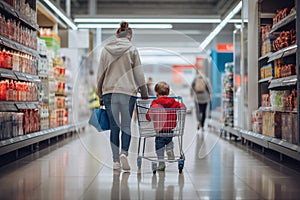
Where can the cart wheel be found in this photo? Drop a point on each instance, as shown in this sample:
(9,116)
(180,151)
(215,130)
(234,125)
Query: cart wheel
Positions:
(139,162)
(180,166)
(154,167)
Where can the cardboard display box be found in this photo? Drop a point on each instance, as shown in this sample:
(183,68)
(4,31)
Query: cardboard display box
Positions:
(272,124)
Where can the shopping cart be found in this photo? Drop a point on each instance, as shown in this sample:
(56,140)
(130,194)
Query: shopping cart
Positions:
(174,118)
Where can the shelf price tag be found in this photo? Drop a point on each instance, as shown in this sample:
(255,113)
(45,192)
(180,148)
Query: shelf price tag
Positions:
(31,106)
(21,76)
(21,106)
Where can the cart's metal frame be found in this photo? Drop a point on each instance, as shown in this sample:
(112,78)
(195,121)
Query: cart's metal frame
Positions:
(146,130)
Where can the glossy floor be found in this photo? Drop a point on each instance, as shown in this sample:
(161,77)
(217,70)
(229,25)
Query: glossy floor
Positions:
(80,167)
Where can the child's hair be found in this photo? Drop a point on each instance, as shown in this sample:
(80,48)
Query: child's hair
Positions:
(162,88)
(124,30)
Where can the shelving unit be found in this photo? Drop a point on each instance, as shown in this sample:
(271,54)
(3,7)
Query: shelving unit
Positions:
(18,75)
(7,8)
(19,109)
(289,118)
(16,46)
(19,142)
(228,95)
(278,58)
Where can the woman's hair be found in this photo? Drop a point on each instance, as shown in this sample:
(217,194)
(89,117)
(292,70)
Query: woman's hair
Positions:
(162,88)
(124,30)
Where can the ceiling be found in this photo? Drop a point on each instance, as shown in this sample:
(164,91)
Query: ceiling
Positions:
(158,8)
(167,9)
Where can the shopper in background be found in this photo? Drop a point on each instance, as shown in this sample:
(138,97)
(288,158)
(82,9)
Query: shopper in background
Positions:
(201,92)
(150,87)
(120,77)
(164,120)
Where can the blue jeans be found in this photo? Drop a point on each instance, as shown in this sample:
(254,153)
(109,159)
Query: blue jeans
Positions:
(162,143)
(119,105)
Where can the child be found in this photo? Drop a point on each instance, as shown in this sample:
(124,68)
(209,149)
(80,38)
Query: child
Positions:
(164,121)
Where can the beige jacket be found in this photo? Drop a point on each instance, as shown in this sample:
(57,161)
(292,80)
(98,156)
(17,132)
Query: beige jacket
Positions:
(120,69)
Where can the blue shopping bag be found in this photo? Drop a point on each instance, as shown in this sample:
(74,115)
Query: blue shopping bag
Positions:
(99,119)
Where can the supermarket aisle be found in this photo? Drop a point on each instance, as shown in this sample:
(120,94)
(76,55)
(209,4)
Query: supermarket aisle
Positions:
(81,169)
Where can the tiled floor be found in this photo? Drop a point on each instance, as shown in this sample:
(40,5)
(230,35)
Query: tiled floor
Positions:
(80,168)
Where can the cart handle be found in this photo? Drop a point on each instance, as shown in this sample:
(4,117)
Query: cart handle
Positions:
(154,97)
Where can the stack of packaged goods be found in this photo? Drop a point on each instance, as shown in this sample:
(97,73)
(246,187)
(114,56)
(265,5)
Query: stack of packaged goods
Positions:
(228,89)
(11,125)
(272,124)
(257,120)
(58,112)
(68,91)
(26,8)
(44,84)
(56,79)
(266,41)
(278,65)
(52,41)
(11,90)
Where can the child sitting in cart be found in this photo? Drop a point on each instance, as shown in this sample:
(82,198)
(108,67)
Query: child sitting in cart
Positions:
(164,120)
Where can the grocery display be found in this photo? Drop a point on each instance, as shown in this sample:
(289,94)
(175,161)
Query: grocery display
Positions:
(34,104)
(44,84)
(57,110)
(55,79)
(277,115)
(18,81)
(228,94)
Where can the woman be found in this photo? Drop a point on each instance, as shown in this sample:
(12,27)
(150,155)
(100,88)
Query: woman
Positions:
(120,77)
(201,92)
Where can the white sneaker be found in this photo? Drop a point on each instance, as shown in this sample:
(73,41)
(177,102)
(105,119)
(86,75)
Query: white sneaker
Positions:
(124,162)
(116,166)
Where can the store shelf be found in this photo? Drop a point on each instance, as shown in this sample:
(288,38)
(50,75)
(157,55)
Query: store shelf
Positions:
(16,143)
(11,106)
(285,148)
(265,80)
(256,138)
(265,56)
(18,15)
(283,22)
(233,131)
(7,73)
(283,82)
(265,108)
(275,144)
(16,46)
(8,106)
(283,53)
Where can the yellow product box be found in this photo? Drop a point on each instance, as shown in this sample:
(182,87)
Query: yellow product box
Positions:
(262,73)
(268,71)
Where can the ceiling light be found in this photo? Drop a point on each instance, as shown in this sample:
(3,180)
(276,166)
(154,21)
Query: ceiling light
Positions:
(145,20)
(216,31)
(60,14)
(137,26)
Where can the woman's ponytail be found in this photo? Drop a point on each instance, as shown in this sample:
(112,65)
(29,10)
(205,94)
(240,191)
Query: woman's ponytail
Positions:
(124,30)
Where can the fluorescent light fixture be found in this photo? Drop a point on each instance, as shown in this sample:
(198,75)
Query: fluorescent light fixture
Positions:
(61,15)
(216,31)
(145,20)
(137,26)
